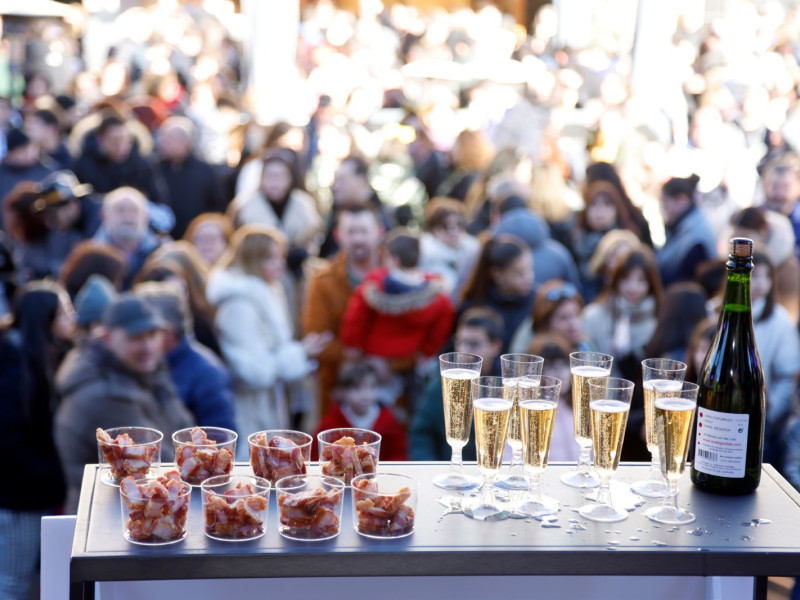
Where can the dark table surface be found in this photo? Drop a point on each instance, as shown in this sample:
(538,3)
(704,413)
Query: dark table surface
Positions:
(754,535)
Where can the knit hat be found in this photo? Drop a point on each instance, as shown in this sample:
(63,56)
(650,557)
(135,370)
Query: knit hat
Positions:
(134,314)
(93,298)
(16,138)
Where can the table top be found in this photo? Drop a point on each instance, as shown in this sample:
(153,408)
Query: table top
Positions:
(753,535)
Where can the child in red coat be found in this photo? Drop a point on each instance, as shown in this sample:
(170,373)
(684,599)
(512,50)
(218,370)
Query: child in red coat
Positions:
(356,405)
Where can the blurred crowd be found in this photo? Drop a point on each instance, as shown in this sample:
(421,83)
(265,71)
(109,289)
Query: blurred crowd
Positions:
(448,181)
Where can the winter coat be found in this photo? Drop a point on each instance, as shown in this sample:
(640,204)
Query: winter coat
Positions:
(98,391)
(514,310)
(778,344)
(551,260)
(327,294)
(386,318)
(255,337)
(203,383)
(33,475)
(447,262)
(300,222)
(689,242)
(191,188)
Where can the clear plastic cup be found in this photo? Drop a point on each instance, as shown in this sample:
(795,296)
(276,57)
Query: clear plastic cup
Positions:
(154,511)
(278,453)
(235,507)
(347,452)
(309,507)
(203,452)
(128,452)
(384,505)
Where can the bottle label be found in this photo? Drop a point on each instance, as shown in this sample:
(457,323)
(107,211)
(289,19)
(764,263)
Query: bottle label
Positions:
(721,443)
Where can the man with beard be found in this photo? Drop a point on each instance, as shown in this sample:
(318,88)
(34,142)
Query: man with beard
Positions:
(359,234)
(125,226)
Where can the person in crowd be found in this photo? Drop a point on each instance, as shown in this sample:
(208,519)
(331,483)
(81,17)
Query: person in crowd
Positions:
(8,277)
(180,262)
(399,312)
(359,233)
(43,324)
(254,329)
(357,404)
(125,226)
(555,351)
(690,239)
(350,187)
(210,234)
(635,220)
(551,198)
(470,157)
(699,345)
(503,280)
(604,211)
(92,258)
(431,166)
(612,246)
(480,332)
(90,304)
(683,307)
(44,129)
(201,379)
(623,318)
(778,343)
(446,248)
(552,259)
(110,160)
(191,185)
(557,310)
(119,379)
(780,181)
(772,234)
(27,230)
(21,163)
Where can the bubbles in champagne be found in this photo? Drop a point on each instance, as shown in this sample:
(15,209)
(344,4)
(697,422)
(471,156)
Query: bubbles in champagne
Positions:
(491,427)
(456,394)
(609,418)
(580,400)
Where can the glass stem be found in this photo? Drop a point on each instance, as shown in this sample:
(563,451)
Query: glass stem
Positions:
(604,492)
(456,464)
(655,467)
(671,499)
(535,487)
(516,463)
(584,464)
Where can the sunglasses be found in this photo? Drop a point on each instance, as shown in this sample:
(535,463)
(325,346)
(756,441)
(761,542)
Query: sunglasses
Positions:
(565,292)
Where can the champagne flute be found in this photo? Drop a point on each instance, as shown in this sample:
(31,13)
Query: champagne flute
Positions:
(458,370)
(491,411)
(513,367)
(664,372)
(538,399)
(674,417)
(610,404)
(584,366)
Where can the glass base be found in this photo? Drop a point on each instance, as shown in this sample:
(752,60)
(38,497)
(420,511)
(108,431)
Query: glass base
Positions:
(513,482)
(543,505)
(622,495)
(486,512)
(605,513)
(581,479)
(669,515)
(650,488)
(456,481)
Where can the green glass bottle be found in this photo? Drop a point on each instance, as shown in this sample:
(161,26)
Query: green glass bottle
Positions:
(731,401)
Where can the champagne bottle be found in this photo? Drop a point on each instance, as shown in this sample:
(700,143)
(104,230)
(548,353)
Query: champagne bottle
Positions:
(731,401)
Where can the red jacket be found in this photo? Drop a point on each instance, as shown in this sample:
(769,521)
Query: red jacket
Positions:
(394,445)
(397,325)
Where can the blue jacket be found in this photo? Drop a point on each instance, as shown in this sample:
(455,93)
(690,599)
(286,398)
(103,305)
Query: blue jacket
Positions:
(203,383)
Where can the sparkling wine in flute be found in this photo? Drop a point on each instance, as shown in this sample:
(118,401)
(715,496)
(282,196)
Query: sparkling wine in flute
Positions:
(649,388)
(580,401)
(609,418)
(514,438)
(674,416)
(538,416)
(457,405)
(491,425)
